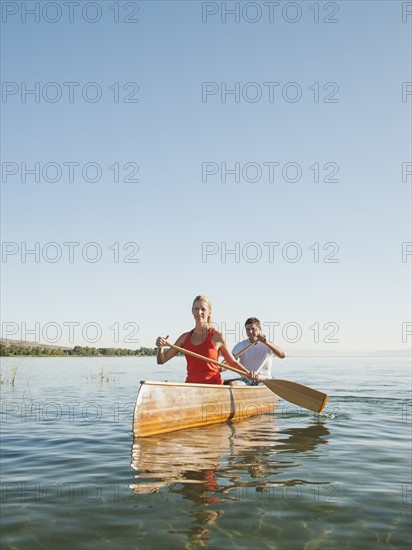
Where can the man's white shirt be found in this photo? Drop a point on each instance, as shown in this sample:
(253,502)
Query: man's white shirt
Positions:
(256,358)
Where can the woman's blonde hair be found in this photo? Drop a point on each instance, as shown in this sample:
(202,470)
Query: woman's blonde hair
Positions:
(203,298)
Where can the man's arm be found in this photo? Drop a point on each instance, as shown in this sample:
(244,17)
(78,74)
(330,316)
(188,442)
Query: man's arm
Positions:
(276,350)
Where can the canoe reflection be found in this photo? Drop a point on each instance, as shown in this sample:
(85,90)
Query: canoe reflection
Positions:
(187,457)
(207,464)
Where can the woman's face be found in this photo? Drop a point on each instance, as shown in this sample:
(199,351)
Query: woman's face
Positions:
(201,311)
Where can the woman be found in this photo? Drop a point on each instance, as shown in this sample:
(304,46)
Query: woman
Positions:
(203,340)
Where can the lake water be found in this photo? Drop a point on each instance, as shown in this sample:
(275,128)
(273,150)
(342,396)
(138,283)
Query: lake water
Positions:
(72,476)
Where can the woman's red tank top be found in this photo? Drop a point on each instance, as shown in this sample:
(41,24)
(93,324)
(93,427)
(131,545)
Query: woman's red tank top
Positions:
(199,371)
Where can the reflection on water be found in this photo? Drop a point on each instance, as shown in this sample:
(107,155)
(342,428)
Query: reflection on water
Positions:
(222,463)
(231,451)
(178,457)
(304,439)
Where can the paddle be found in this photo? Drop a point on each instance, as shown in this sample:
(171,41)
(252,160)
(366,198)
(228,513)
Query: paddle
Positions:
(300,395)
(242,351)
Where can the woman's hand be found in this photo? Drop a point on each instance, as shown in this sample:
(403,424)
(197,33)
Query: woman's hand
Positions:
(253,376)
(161,341)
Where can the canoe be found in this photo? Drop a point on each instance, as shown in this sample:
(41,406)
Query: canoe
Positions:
(163,407)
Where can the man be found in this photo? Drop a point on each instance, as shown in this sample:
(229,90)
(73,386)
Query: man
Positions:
(257,358)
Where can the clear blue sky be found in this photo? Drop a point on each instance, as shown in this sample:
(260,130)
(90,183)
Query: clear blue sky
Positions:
(308,101)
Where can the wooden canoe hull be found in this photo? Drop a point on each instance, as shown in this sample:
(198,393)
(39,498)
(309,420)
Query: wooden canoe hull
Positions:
(167,406)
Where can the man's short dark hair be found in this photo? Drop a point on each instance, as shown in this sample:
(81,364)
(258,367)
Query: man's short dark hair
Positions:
(253,321)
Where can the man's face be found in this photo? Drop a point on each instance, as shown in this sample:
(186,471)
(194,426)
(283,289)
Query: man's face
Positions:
(252,332)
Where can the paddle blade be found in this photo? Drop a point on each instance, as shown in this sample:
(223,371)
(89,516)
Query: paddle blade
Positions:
(298,394)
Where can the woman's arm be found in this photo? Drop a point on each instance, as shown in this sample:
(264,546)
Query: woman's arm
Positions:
(164,356)
(220,344)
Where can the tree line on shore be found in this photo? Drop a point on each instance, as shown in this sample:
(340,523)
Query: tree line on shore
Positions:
(11,350)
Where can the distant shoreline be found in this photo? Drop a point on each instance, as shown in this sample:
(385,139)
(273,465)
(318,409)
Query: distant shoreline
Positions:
(12,348)
(15,348)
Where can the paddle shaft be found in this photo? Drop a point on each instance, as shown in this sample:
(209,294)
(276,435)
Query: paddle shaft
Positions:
(243,350)
(203,358)
(300,395)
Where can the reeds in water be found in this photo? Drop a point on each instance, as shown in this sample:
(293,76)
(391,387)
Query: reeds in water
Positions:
(9,377)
